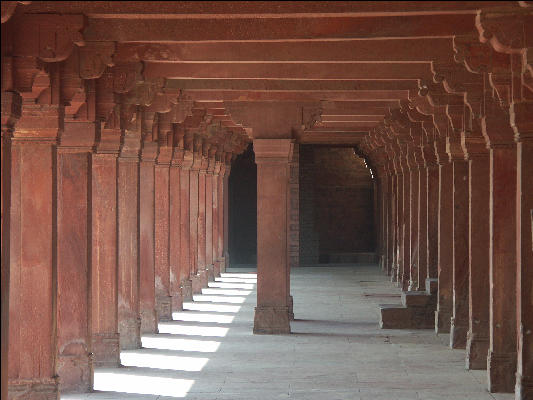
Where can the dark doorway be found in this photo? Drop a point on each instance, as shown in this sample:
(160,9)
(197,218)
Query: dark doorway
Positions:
(336,206)
(243,210)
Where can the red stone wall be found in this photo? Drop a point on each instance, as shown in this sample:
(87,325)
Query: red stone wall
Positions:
(336,200)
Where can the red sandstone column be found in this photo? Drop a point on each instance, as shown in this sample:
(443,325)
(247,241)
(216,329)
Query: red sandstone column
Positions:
(209,215)
(202,240)
(104,300)
(31,241)
(523,127)
(413,212)
(392,221)
(220,228)
(185,256)
(385,210)
(177,295)
(147,307)
(193,217)
(422,219)
(405,228)
(10,113)
(225,220)
(445,250)
(479,193)
(216,212)
(272,157)
(459,319)
(432,221)
(161,231)
(73,217)
(398,223)
(501,360)
(397,206)
(128,236)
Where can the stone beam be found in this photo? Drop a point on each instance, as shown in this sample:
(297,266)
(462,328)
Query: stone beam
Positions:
(179,28)
(144,9)
(297,70)
(245,95)
(395,49)
(288,84)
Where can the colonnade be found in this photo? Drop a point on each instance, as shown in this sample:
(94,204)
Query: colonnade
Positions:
(114,212)
(456,194)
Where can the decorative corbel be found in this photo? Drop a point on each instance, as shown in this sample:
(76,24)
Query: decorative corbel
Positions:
(49,37)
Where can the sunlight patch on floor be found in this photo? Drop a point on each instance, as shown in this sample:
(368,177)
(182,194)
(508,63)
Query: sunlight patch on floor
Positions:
(202,317)
(227,285)
(221,308)
(192,330)
(150,359)
(172,343)
(219,299)
(127,382)
(226,292)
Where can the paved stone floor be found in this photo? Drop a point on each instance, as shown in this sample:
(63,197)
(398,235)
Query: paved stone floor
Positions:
(336,350)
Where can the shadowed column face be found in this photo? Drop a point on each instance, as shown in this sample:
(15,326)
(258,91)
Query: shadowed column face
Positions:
(459,322)
(445,252)
(501,361)
(161,228)
(31,360)
(478,332)
(128,250)
(272,158)
(73,206)
(524,137)
(147,238)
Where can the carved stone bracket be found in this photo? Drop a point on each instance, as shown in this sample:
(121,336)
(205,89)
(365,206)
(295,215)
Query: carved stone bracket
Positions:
(49,37)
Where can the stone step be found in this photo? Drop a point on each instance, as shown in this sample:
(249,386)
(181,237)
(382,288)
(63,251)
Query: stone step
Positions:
(415,299)
(395,316)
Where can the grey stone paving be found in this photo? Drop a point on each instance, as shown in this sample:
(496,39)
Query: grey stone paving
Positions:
(336,351)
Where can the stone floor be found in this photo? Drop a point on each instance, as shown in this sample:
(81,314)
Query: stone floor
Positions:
(336,350)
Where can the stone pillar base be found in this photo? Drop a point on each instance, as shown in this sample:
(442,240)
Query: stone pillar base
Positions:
(476,351)
(148,321)
(457,335)
(271,320)
(223,264)
(524,388)
(130,333)
(177,302)
(501,370)
(74,370)
(432,285)
(163,306)
(394,274)
(217,268)
(211,272)
(291,308)
(199,281)
(105,349)
(42,389)
(416,312)
(442,321)
(186,292)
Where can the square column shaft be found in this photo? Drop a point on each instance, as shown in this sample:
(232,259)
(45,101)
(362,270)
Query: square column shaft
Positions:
(272,157)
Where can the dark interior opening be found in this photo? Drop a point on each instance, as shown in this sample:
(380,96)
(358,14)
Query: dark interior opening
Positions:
(336,206)
(243,210)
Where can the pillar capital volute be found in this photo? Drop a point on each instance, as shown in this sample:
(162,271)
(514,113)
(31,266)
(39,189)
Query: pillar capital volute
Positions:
(496,125)
(508,30)
(49,37)
(273,150)
(521,120)
(454,148)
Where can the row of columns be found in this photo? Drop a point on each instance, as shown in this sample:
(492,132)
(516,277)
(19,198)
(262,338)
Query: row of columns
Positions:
(456,213)
(105,231)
